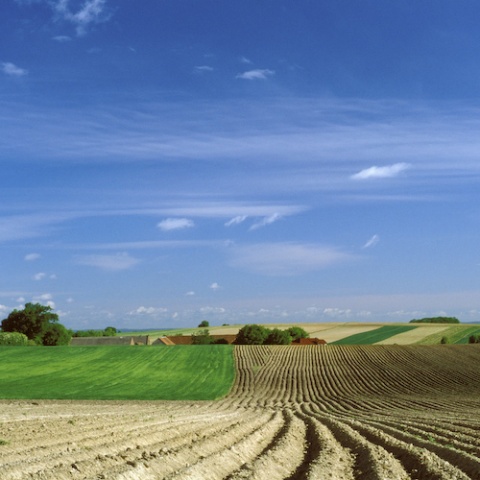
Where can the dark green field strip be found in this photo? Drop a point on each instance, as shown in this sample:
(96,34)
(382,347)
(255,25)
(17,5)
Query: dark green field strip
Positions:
(374,336)
(466,335)
(116,373)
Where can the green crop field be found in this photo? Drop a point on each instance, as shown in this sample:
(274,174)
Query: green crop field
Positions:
(374,336)
(116,373)
(457,334)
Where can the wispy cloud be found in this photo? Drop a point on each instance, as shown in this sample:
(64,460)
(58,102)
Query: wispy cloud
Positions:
(257,74)
(388,171)
(30,257)
(170,224)
(91,11)
(236,220)
(115,262)
(203,69)
(371,242)
(215,286)
(62,38)
(286,258)
(266,221)
(12,70)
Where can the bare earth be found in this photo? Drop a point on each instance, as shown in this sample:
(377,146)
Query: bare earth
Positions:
(341,413)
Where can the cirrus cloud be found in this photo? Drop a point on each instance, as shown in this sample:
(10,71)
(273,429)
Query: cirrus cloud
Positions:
(175,224)
(387,171)
(11,69)
(286,258)
(257,74)
(115,262)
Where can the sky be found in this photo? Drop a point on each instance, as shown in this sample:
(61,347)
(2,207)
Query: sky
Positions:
(257,161)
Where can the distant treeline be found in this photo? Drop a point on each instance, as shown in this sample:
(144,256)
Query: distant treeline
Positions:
(436,320)
(107,332)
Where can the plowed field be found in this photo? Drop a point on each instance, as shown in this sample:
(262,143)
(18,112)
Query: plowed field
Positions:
(336,412)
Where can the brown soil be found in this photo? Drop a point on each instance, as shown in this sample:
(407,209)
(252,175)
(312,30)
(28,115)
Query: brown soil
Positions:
(339,413)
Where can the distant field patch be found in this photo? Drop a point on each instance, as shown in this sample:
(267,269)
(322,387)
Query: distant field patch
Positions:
(415,335)
(457,334)
(116,373)
(374,336)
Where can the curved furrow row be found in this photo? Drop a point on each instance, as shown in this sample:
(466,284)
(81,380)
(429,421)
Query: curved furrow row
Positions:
(414,461)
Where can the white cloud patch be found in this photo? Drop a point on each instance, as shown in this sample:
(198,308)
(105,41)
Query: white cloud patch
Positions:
(266,221)
(257,74)
(286,258)
(115,262)
(62,38)
(148,311)
(371,242)
(215,286)
(203,69)
(191,293)
(30,257)
(388,171)
(236,220)
(89,12)
(12,70)
(39,276)
(170,224)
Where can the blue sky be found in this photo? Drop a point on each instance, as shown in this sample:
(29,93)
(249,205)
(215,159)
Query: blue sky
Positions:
(167,161)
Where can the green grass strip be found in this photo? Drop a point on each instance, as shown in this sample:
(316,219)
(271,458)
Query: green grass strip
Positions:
(457,334)
(374,336)
(203,372)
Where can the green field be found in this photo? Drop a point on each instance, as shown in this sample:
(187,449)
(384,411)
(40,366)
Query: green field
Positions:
(457,334)
(374,336)
(116,373)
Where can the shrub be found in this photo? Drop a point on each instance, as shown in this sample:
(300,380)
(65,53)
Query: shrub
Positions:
(252,335)
(202,338)
(13,339)
(56,334)
(474,339)
(297,332)
(203,324)
(278,337)
(444,341)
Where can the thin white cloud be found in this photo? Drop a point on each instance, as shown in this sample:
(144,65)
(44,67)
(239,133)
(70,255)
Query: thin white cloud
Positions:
(245,60)
(236,220)
(286,258)
(39,276)
(371,242)
(191,293)
(91,11)
(388,171)
(148,310)
(12,70)
(170,224)
(62,38)
(215,286)
(266,221)
(203,69)
(257,74)
(30,257)
(116,262)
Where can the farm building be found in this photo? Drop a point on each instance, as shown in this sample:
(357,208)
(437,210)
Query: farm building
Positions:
(100,341)
(309,341)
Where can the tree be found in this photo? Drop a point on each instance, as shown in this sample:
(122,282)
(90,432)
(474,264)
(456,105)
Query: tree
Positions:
(110,332)
(202,338)
(34,321)
(252,335)
(278,337)
(297,332)
(56,334)
(204,324)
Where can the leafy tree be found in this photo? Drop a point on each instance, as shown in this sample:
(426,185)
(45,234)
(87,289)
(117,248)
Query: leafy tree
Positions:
(32,321)
(35,321)
(278,337)
(13,338)
(202,338)
(204,324)
(474,339)
(297,332)
(56,334)
(445,340)
(252,335)
(110,332)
